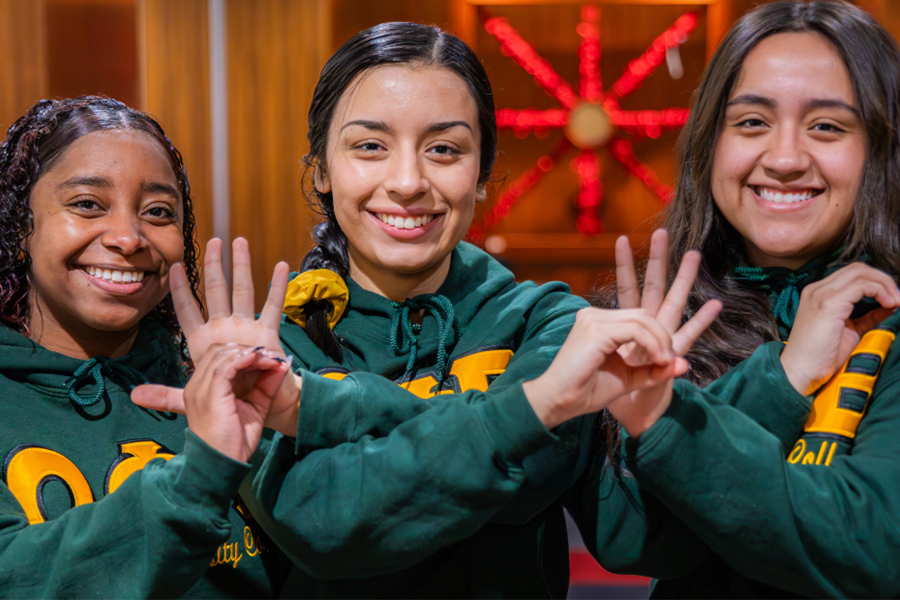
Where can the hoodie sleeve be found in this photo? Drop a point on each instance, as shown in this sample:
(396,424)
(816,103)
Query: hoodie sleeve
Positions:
(627,529)
(378,480)
(813,529)
(152,537)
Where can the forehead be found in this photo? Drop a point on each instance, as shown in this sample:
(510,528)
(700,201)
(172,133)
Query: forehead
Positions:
(115,153)
(795,66)
(407,95)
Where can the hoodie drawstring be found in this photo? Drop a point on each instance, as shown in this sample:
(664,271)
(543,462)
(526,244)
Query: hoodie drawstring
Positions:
(93,368)
(441,309)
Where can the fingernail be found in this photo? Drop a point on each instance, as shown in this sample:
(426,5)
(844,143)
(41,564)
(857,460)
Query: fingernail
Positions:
(289,359)
(258,348)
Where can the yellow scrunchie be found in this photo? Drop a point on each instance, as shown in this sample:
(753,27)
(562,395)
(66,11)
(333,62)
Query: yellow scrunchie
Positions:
(311,286)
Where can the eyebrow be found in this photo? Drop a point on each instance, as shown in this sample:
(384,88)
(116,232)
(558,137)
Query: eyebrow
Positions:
(154,187)
(373,125)
(810,105)
(382,126)
(97,182)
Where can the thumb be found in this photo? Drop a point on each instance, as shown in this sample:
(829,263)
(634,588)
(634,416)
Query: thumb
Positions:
(159,397)
(269,381)
(653,375)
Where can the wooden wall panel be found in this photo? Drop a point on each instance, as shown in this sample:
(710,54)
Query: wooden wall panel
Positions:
(175,57)
(91,48)
(276,49)
(22,73)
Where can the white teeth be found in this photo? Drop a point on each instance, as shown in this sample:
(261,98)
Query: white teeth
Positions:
(405,222)
(115,276)
(770,195)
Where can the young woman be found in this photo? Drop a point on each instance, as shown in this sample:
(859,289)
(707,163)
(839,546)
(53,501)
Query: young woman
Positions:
(422,463)
(100,497)
(800,109)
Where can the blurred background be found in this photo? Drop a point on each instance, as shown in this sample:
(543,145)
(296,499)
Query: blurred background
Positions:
(590,98)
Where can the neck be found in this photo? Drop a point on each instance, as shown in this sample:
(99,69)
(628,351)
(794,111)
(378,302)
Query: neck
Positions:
(81,344)
(397,286)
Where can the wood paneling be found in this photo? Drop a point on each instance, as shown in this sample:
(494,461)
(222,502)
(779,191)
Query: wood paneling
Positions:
(22,74)
(175,57)
(91,48)
(276,49)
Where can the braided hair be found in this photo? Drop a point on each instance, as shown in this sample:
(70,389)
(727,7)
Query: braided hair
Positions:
(33,145)
(385,44)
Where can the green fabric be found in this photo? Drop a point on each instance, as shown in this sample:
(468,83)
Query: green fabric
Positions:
(776,529)
(385,494)
(783,286)
(158,532)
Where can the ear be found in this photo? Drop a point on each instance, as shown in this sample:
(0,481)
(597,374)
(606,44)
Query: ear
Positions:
(321,181)
(481,193)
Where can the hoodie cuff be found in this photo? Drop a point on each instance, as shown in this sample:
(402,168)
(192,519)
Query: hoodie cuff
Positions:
(513,426)
(327,411)
(207,477)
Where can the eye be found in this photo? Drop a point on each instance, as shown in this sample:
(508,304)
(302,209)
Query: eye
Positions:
(369,147)
(443,151)
(827,128)
(160,212)
(751,123)
(85,205)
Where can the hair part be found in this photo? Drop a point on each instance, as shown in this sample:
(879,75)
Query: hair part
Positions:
(385,44)
(33,146)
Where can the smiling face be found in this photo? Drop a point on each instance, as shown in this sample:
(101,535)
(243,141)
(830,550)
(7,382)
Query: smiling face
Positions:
(790,157)
(107,226)
(403,165)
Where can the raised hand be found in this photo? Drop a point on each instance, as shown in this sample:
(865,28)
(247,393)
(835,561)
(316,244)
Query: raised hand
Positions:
(231,319)
(227,398)
(824,335)
(641,409)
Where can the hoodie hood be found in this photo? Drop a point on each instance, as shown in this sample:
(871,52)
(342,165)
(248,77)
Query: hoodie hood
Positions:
(154,354)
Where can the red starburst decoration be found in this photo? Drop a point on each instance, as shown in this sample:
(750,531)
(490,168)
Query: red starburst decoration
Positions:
(590,116)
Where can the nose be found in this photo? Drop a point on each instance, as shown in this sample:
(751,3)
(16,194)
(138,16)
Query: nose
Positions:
(787,158)
(406,178)
(123,233)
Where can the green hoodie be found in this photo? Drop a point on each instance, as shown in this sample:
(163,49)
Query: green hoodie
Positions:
(817,518)
(390,493)
(101,498)
(386,494)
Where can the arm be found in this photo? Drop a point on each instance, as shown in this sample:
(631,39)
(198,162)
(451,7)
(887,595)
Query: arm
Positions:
(810,529)
(627,529)
(153,536)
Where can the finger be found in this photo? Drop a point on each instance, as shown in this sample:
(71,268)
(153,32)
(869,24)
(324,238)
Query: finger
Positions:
(672,308)
(186,307)
(848,278)
(626,279)
(271,312)
(242,279)
(870,320)
(649,335)
(657,267)
(270,380)
(214,277)
(685,337)
(159,397)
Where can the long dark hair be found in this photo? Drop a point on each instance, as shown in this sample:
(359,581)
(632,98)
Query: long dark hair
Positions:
(33,145)
(873,62)
(385,44)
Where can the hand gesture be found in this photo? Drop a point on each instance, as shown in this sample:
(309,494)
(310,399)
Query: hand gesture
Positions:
(227,399)
(588,373)
(824,335)
(641,409)
(231,321)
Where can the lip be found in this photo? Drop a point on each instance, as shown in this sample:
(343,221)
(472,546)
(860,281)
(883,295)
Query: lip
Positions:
(118,289)
(785,207)
(406,234)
